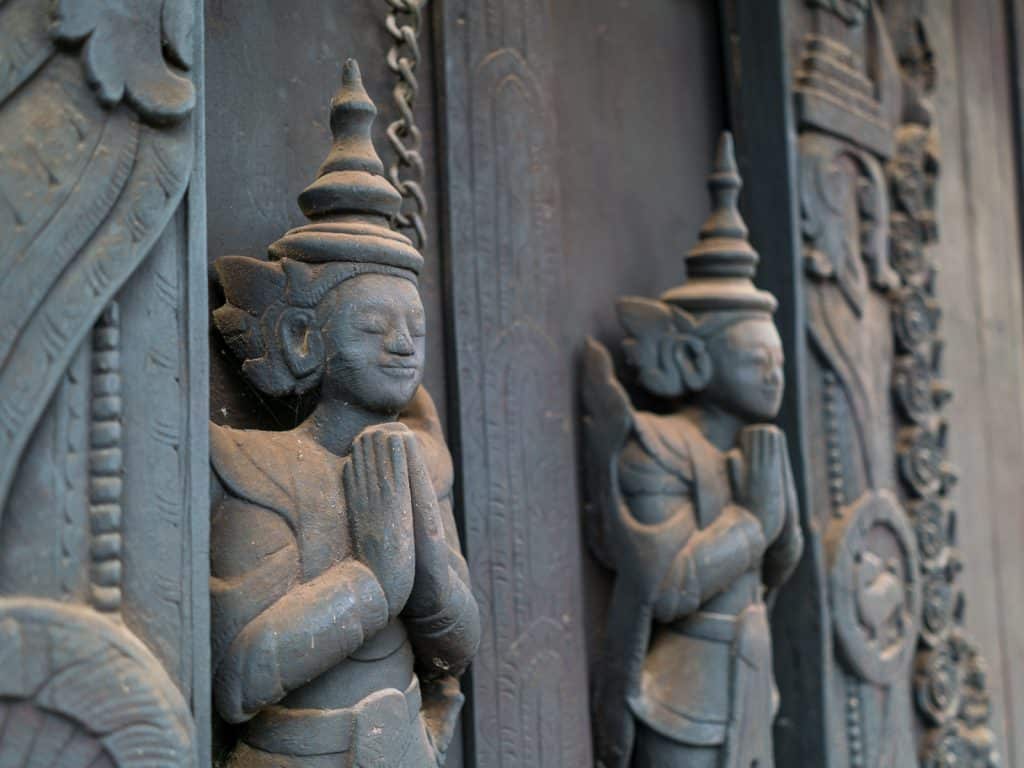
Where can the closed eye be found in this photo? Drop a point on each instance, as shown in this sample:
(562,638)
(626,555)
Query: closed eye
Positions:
(417,326)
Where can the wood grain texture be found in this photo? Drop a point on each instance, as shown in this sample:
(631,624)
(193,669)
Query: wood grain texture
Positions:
(512,373)
(979,284)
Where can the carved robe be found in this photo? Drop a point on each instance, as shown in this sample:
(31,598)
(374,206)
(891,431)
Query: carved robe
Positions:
(700,681)
(303,651)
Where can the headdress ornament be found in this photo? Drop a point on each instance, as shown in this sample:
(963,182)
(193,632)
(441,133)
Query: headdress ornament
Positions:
(351,202)
(720,267)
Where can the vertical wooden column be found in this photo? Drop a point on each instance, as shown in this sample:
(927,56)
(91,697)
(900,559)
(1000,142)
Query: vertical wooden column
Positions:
(511,374)
(762,120)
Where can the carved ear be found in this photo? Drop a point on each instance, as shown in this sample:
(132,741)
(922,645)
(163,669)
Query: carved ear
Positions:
(302,346)
(652,331)
(694,362)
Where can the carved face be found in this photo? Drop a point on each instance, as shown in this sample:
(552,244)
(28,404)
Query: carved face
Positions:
(374,342)
(747,377)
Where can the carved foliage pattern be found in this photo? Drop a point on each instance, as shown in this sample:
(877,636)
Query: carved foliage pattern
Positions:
(78,691)
(949,674)
(868,218)
(91,184)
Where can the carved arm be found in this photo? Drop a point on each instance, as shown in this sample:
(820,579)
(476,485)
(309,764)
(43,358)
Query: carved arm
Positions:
(711,560)
(304,630)
(441,615)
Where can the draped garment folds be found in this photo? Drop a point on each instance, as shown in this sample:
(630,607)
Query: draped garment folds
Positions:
(703,681)
(280,527)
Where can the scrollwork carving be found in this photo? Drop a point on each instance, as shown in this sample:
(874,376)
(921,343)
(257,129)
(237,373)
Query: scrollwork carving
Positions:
(78,691)
(947,676)
(125,44)
(88,190)
(937,680)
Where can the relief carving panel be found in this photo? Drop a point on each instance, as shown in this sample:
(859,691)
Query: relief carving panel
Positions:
(97,142)
(880,483)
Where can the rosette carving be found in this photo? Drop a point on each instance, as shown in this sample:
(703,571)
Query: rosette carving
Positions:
(915,317)
(937,683)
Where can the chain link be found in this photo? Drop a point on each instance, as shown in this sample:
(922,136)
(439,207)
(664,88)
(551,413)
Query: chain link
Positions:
(406,172)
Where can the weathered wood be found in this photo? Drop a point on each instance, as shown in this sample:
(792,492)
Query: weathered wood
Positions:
(694,510)
(979,283)
(761,110)
(342,615)
(511,374)
(103,381)
(861,264)
(632,114)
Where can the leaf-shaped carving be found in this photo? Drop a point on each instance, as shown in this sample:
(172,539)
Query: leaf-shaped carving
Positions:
(128,47)
(86,693)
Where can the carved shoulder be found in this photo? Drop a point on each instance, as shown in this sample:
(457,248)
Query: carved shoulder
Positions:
(243,536)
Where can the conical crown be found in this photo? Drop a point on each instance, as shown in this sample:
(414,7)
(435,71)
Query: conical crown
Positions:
(350,203)
(720,266)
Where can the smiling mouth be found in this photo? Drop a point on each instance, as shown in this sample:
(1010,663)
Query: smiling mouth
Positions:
(400,371)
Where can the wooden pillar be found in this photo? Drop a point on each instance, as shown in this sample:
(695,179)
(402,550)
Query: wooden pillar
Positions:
(511,373)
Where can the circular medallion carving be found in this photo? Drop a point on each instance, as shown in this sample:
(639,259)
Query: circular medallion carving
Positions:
(875,586)
(86,692)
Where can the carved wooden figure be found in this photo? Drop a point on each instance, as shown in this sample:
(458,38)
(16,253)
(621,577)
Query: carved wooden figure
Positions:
(342,613)
(694,509)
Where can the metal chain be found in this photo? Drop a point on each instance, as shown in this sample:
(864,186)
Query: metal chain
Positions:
(406,172)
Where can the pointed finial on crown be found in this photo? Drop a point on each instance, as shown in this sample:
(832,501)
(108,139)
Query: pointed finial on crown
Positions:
(720,266)
(351,201)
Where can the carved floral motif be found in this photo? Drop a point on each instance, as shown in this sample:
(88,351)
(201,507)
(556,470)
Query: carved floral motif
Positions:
(949,674)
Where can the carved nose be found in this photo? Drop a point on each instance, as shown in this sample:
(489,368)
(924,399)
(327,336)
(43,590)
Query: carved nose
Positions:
(399,342)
